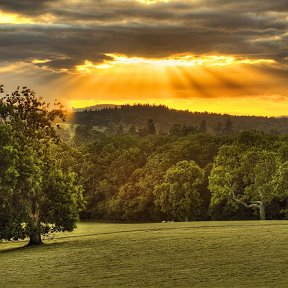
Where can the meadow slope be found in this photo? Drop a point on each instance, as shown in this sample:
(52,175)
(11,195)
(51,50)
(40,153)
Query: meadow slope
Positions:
(193,254)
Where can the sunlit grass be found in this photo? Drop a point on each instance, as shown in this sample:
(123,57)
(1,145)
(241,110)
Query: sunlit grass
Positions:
(202,254)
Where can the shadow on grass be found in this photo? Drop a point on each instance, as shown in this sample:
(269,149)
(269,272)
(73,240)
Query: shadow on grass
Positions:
(70,238)
(48,244)
(25,247)
(14,249)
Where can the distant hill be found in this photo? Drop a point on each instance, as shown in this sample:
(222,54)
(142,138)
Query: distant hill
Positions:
(95,107)
(164,118)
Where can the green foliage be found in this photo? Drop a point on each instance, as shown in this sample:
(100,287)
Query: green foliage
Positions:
(150,127)
(228,127)
(225,178)
(182,130)
(165,118)
(203,126)
(246,174)
(119,172)
(254,138)
(178,195)
(259,169)
(63,200)
(37,196)
(280,185)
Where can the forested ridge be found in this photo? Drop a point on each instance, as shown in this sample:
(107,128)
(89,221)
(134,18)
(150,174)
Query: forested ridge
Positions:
(164,118)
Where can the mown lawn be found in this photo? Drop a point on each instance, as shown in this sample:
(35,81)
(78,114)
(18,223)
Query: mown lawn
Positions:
(202,254)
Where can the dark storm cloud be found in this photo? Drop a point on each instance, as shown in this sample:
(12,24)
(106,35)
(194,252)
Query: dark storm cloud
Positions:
(250,5)
(89,29)
(28,7)
(230,21)
(69,63)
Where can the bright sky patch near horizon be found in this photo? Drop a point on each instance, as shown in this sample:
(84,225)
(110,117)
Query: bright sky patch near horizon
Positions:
(209,55)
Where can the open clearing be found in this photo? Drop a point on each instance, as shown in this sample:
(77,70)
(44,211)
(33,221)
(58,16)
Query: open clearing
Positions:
(193,254)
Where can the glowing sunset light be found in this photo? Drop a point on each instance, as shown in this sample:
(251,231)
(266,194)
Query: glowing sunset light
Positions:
(89,66)
(186,81)
(18,19)
(219,56)
(172,61)
(40,61)
(149,2)
(11,18)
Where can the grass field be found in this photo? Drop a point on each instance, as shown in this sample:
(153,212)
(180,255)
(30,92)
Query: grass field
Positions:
(193,254)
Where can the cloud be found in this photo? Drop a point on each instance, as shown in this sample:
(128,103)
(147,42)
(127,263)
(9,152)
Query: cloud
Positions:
(88,30)
(27,7)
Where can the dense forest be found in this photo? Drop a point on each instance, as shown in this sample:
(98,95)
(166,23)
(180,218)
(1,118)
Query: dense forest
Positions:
(112,117)
(187,173)
(50,174)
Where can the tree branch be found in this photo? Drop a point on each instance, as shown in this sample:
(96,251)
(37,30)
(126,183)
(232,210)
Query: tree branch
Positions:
(254,204)
(239,201)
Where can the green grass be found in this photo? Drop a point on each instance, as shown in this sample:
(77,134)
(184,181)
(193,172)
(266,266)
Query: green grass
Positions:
(195,254)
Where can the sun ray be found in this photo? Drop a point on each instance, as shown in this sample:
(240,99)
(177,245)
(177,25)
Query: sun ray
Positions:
(183,81)
(185,60)
(149,2)
(12,18)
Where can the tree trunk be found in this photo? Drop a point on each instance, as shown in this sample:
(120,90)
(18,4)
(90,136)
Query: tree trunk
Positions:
(35,238)
(35,232)
(186,219)
(262,211)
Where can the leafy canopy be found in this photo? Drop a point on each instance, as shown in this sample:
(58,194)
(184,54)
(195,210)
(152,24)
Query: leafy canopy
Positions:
(36,195)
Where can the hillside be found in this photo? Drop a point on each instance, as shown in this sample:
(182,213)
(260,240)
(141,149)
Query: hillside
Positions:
(164,118)
(95,107)
(203,254)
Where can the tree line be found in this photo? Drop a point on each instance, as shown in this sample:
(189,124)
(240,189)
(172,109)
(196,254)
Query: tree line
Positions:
(186,174)
(164,118)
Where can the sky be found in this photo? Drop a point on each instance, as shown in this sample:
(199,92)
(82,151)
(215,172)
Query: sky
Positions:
(201,55)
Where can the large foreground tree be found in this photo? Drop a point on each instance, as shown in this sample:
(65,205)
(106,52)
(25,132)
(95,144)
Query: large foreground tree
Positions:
(36,195)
